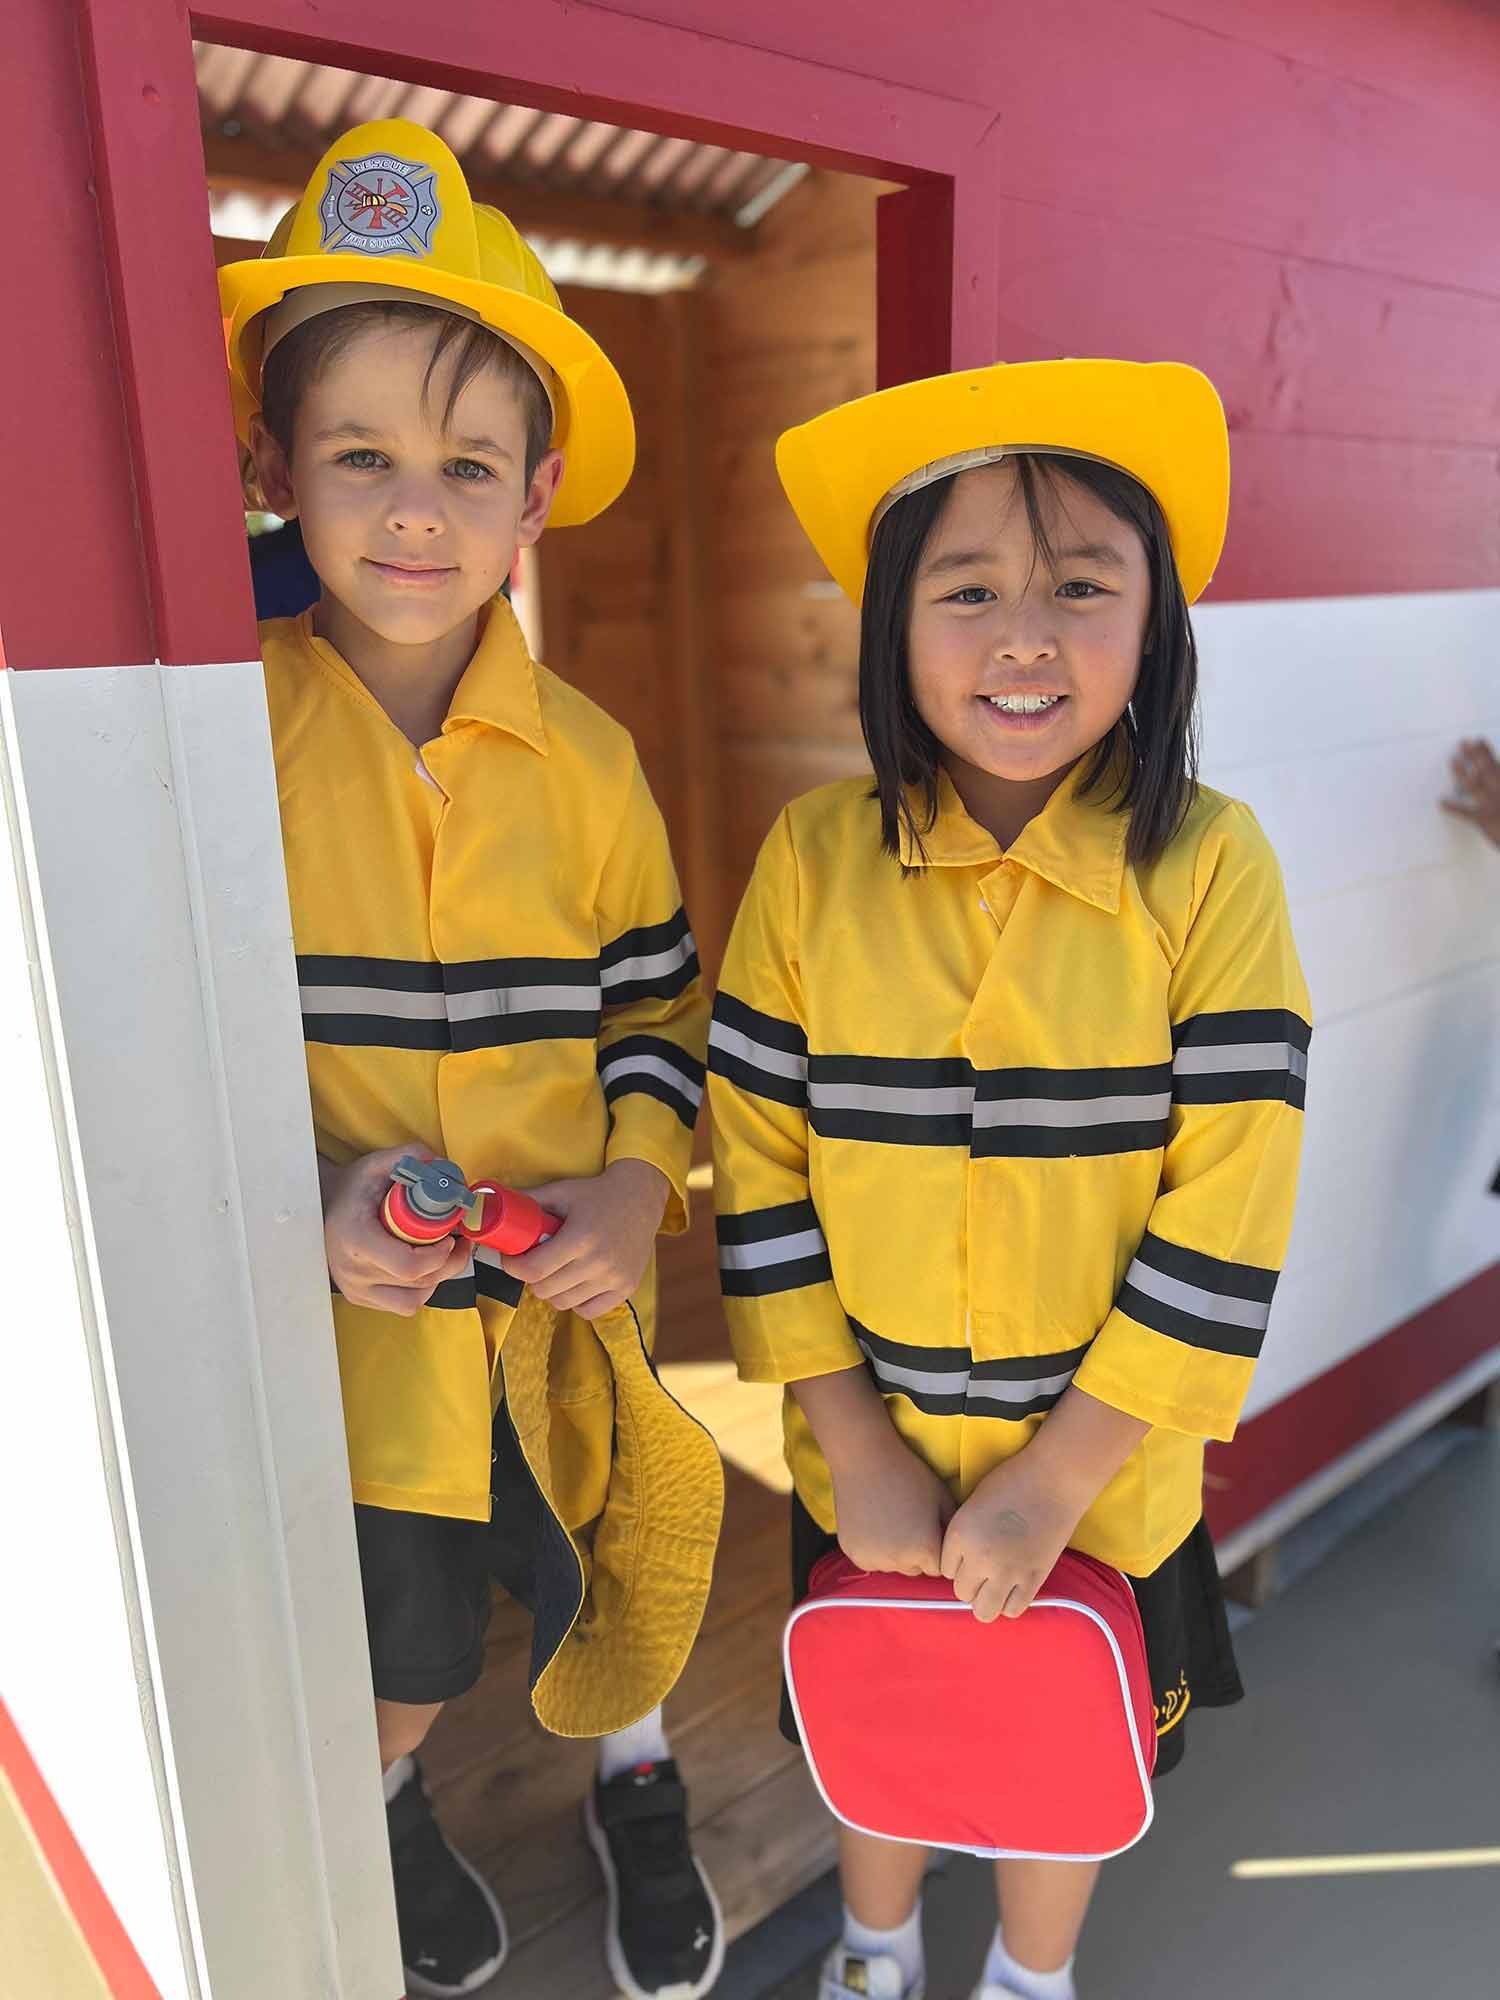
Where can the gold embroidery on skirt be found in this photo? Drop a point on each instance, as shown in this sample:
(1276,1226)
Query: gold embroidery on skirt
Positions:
(1174,1704)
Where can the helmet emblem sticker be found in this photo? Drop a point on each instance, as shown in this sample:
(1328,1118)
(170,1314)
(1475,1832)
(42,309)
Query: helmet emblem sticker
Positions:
(379,204)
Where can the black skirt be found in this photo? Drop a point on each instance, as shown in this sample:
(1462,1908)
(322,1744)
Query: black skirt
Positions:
(1189,1653)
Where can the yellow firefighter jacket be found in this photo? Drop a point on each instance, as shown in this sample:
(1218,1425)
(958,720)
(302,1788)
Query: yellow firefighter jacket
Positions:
(494,960)
(1013,1121)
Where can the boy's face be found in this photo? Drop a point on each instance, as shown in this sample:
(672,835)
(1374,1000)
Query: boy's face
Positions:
(411,522)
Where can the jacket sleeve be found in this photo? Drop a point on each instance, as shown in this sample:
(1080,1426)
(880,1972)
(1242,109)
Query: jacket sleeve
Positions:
(784,1315)
(654,1021)
(1188,1321)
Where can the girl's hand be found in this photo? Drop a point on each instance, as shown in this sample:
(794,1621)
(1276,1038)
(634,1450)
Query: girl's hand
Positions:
(371,1267)
(599,1256)
(891,1510)
(1002,1543)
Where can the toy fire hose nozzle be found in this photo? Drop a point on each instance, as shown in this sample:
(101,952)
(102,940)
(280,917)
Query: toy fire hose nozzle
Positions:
(426,1200)
(430,1199)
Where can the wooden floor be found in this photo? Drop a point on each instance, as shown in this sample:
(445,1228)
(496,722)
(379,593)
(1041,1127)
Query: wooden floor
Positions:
(508,1794)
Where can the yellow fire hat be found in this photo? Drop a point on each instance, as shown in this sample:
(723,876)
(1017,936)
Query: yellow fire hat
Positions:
(1160,421)
(388,213)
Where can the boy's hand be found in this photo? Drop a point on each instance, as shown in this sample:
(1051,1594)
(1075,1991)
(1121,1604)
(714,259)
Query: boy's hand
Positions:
(598,1257)
(891,1510)
(370,1266)
(1002,1543)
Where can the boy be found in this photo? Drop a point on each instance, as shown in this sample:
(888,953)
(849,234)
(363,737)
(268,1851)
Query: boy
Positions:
(495,966)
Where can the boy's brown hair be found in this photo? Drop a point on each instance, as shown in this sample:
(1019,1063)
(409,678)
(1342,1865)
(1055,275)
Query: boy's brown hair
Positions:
(297,361)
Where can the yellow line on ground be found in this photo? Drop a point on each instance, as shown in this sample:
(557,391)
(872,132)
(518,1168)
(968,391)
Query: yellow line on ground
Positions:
(1366,1864)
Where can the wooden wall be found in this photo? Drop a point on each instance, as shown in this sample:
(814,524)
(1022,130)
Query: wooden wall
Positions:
(695,610)
(790,332)
(622,598)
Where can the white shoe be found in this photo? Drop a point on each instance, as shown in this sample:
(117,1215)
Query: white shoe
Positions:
(851,1975)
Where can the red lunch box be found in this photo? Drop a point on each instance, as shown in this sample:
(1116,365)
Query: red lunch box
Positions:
(1029,1737)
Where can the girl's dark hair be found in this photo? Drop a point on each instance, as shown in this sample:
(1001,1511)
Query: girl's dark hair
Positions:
(1159,730)
(296,362)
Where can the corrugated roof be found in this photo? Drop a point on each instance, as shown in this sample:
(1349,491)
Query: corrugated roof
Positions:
(263,116)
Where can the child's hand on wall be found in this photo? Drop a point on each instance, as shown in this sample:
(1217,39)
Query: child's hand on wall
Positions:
(599,1256)
(1476,797)
(370,1266)
(1002,1543)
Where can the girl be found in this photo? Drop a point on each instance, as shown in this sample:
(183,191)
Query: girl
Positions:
(1009,1059)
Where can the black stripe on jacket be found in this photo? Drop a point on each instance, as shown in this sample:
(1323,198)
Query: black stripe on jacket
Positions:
(1200,1300)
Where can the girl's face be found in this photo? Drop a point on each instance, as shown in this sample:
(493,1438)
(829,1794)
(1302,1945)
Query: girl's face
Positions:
(1018,666)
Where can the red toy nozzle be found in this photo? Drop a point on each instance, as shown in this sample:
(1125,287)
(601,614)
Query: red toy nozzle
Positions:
(430,1199)
(511,1223)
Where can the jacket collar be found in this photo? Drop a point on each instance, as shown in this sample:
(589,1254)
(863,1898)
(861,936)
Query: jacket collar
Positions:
(499,683)
(1078,844)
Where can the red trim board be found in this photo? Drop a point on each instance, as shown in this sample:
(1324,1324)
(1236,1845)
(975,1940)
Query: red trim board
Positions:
(106,1937)
(1273,1453)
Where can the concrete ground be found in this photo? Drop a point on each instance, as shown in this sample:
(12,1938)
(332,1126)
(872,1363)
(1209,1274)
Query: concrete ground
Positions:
(1372,1726)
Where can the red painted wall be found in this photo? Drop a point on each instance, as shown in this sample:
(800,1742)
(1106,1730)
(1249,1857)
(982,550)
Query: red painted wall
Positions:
(71,586)
(1301,196)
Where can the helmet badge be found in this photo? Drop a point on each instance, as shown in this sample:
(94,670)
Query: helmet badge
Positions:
(379,204)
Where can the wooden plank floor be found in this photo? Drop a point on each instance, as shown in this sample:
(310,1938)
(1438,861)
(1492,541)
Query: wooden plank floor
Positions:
(508,1794)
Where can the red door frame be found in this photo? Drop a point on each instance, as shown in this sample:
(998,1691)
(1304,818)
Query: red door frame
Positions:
(187,600)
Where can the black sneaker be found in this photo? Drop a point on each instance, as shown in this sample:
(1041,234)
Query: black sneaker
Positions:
(452,1929)
(664,1937)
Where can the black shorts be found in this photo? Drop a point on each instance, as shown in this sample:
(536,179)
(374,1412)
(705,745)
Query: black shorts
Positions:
(427,1581)
(1189,1653)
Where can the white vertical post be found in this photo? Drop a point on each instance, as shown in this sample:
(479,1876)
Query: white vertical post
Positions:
(180,1409)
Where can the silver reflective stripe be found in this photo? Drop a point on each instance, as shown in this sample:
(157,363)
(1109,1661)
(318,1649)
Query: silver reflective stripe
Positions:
(373,1000)
(494,1000)
(1229,1056)
(960,1382)
(776,1062)
(959,1098)
(775,1250)
(650,967)
(1079,1111)
(950,1382)
(982,1391)
(639,1065)
(1192,1298)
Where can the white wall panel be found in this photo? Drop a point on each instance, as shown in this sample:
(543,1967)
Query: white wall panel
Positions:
(71,1638)
(1335,719)
(1288,676)
(155,858)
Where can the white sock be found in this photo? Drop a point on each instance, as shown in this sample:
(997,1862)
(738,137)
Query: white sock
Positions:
(397,1776)
(903,1944)
(644,1742)
(1000,1969)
